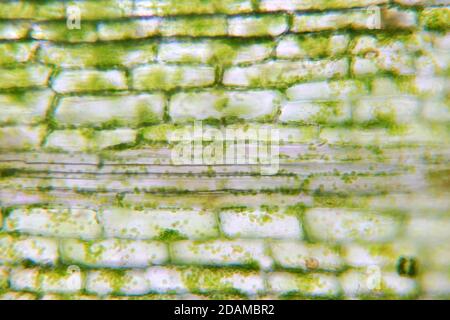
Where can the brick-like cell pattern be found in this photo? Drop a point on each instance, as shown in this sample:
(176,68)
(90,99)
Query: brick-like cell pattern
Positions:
(93,208)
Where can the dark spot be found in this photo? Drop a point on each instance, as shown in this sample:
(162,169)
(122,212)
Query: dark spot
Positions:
(407,266)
